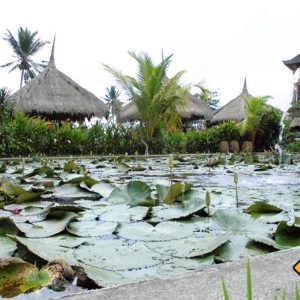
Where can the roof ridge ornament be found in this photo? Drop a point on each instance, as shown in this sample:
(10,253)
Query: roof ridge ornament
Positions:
(52,60)
(245,90)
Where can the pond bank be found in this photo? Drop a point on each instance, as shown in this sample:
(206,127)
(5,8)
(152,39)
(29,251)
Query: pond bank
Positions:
(270,273)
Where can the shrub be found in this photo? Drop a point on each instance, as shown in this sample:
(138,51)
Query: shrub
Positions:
(294,147)
(174,142)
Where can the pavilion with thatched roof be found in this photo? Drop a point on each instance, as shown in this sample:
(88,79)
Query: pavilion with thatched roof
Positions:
(193,109)
(55,96)
(235,109)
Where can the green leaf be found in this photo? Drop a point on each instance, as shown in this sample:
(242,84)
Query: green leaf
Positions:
(18,276)
(46,228)
(102,188)
(268,241)
(134,193)
(8,247)
(89,181)
(193,246)
(262,207)
(179,210)
(7,226)
(169,194)
(249,283)
(125,257)
(67,191)
(287,235)
(91,228)
(225,290)
(123,167)
(43,171)
(165,231)
(122,213)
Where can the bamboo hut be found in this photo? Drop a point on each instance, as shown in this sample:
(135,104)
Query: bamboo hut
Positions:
(235,109)
(55,96)
(192,110)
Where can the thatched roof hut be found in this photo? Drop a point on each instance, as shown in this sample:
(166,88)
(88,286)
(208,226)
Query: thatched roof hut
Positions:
(235,109)
(55,96)
(192,110)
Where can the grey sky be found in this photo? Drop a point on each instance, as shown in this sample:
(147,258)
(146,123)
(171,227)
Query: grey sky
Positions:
(215,41)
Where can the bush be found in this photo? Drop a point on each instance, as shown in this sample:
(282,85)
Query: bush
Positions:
(294,147)
(174,142)
(229,131)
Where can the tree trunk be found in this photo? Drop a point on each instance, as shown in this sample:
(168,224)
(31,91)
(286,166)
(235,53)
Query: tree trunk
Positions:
(22,76)
(146,147)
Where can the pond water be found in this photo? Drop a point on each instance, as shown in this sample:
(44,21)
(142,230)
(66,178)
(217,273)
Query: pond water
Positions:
(119,220)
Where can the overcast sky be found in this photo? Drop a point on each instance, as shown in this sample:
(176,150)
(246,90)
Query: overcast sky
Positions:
(217,42)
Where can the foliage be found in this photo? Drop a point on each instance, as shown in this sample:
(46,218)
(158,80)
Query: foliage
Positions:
(256,107)
(24,47)
(113,102)
(155,96)
(294,147)
(210,97)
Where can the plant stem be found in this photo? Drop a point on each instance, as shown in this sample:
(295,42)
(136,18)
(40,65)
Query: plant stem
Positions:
(236,196)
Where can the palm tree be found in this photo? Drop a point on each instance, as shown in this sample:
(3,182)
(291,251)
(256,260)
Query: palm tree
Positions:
(5,108)
(113,102)
(24,47)
(207,96)
(256,107)
(155,96)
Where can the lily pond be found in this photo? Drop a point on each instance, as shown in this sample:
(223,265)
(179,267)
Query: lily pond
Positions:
(118,220)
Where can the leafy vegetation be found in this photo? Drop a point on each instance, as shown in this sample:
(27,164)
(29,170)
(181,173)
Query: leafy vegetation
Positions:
(24,47)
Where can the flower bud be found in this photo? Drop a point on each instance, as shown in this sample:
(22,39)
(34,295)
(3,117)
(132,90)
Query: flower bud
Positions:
(182,187)
(171,161)
(207,198)
(235,178)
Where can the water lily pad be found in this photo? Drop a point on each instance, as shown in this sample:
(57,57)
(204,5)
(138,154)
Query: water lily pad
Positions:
(124,256)
(102,188)
(263,207)
(165,231)
(42,171)
(192,246)
(180,210)
(7,226)
(8,247)
(18,276)
(134,193)
(168,194)
(268,241)
(122,213)
(91,228)
(89,181)
(47,249)
(123,167)
(67,191)
(46,228)
(287,235)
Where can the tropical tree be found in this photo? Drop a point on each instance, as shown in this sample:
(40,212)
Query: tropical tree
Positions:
(113,102)
(5,108)
(155,96)
(210,97)
(24,47)
(256,108)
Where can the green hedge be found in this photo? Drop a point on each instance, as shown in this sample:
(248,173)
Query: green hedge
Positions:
(33,136)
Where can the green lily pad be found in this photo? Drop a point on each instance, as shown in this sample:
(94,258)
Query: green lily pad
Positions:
(7,226)
(122,213)
(67,191)
(134,193)
(8,247)
(46,228)
(287,235)
(268,241)
(165,231)
(193,246)
(18,194)
(102,188)
(125,257)
(51,248)
(42,171)
(18,276)
(123,167)
(168,194)
(180,210)
(91,228)
(263,207)
(89,181)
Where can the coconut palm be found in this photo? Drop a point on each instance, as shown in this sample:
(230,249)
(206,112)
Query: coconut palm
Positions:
(24,47)
(113,102)
(5,108)
(155,96)
(207,96)
(256,107)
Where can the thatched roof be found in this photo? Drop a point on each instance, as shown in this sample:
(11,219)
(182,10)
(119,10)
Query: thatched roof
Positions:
(235,109)
(295,122)
(293,63)
(193,109)
(54,95)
